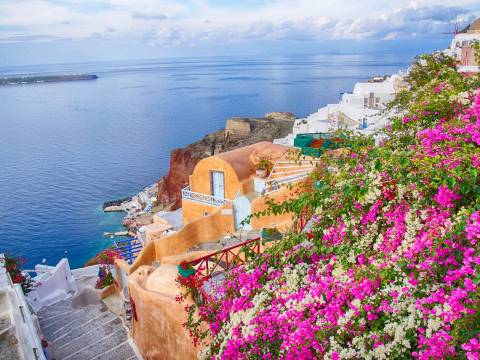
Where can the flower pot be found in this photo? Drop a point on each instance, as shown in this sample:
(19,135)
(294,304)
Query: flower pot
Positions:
(185,272)
(261,173)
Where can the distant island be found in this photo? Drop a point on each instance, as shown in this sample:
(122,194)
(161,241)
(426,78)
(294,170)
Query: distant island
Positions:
(17,80)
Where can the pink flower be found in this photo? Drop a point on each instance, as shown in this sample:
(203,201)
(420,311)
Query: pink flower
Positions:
(476,161)
(472,349)
(445,197)
(439,87)
(472,227)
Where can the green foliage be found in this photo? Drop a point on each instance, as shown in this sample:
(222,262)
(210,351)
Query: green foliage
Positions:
(476,47)
(265,163)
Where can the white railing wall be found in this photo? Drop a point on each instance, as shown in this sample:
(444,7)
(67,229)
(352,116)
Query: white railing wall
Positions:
(24,323)
(87,271)
(52,285)
(286,175)
(187,194)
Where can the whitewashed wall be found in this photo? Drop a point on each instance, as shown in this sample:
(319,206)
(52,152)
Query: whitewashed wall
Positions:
(53,284)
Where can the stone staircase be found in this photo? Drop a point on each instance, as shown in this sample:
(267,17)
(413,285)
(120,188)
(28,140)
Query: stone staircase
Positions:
(85,333)
(287,172)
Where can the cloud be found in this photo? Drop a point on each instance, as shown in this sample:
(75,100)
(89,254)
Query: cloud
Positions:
(149,16)
(408,22)
(391,36)
(197,22)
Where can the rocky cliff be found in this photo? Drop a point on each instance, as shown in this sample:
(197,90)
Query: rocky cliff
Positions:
(239,132)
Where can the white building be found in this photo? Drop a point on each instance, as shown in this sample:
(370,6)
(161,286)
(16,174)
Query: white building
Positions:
(360,109)
(461,48)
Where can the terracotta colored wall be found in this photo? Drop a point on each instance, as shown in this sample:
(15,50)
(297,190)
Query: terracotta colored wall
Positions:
(192,210)
(206,229)
(200,179)
(259,204)
(158,331)
(246,186)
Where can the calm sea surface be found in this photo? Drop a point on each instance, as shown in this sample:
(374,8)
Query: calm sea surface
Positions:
(67,147)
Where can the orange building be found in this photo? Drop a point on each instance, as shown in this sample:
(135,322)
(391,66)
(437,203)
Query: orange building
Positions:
(223,190)
(227,181)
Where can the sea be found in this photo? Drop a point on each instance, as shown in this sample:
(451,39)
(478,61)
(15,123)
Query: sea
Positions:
(67,147)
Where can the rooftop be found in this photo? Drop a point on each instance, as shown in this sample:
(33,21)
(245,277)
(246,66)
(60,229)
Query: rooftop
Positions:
(385,87)
(473,28)
(242,160)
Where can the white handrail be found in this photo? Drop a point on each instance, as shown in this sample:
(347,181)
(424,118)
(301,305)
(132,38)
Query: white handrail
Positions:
(293,171)
(269,176)
(273,183)
(29,341)
(204,198)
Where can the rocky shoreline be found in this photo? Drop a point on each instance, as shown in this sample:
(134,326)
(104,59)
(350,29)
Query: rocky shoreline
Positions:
(108,205)
(19,80)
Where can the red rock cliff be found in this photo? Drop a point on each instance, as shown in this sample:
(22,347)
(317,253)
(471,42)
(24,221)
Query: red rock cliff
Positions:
(182,163)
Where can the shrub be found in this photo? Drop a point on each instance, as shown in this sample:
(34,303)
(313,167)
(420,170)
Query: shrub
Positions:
(13,266)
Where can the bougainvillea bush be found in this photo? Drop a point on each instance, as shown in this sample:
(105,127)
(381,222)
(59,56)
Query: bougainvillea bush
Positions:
(390,267)
(106,260)
(13,265)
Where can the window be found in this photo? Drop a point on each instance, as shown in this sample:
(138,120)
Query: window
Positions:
(217,184)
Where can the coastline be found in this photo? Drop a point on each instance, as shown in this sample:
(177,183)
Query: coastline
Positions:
(26,80)
(79,227)
(239,132)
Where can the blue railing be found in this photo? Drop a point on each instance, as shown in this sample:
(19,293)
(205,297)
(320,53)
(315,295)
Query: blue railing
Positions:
(128,248)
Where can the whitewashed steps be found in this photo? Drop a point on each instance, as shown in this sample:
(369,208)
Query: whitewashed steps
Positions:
(85,333)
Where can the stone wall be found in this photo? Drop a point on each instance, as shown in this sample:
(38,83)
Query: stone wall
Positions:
(238,128)
(259,204)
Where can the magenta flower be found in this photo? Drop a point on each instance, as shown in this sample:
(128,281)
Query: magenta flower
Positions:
(445,197)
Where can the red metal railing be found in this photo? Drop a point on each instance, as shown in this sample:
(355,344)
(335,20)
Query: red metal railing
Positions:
(225,259)
(222,261)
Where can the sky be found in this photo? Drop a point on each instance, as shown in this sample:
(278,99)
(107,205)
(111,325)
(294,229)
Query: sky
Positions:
(56,31)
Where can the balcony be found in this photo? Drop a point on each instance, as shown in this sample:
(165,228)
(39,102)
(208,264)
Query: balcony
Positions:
(187,194)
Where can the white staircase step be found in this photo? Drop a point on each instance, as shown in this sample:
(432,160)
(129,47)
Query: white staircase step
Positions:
(123,351)
(84,340)
(99,347)
(90,332)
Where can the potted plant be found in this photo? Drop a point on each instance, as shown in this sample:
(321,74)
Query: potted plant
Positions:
(13,266)
(185,269)
(263,167)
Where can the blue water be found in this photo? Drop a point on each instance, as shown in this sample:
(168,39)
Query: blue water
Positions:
(67,147)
